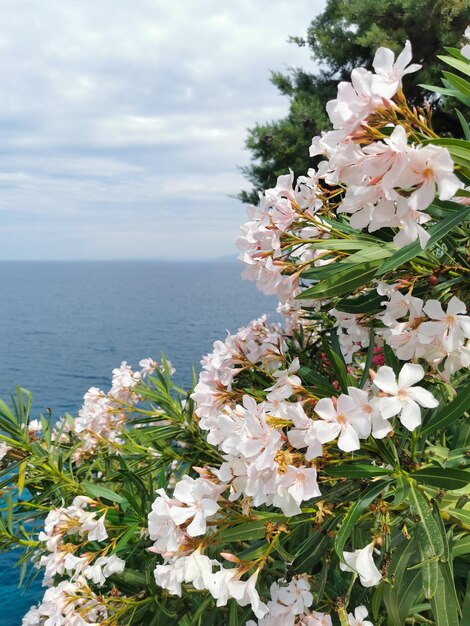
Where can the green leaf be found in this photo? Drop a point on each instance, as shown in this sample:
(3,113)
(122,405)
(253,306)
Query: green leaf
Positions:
(98,491)
(349,275)
(233,614)
(312,549)
(466,605)
(21,477)
(343,281)
(244,532)
(427,531)
(343,244)
(461,545)
(356,470)
(463,123)
(437,232)
(369,302)
(430,578)
(450,413)
(448,478)
(443,604)
(318,382)
(337,364)
(457,64)
(462,514)
(405,585)
(356,510)
(462,85)
(402,490)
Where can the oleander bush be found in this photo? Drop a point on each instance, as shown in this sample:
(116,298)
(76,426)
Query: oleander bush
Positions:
(317,473)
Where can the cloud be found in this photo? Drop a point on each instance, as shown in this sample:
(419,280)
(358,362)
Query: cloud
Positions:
(122,124)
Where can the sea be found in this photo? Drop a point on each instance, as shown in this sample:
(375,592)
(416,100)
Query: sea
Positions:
(65,325)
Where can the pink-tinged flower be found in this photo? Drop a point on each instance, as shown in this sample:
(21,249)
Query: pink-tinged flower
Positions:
(293,487)
(409,222)
(286,381)
(304,433)
(245,593)
(359,617)
(316,618)
(344,420)
(368,407)
(362,563)
(389,72)
(200,499)
(430,166)
(453,326)
(148,366)
(400,305)
(404,399)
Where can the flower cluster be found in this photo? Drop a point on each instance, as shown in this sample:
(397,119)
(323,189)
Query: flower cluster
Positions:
(67,604)
(102,418)
(61,556)
(417,329)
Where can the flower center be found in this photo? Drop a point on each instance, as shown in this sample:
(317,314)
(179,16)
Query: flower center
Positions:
(403,394)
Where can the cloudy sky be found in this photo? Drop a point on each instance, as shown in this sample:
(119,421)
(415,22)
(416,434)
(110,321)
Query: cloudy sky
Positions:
(122,123)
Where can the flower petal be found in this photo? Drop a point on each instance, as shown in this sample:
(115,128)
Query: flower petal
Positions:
(411,415)
(389,407)
(423,397)
(409,375)
(385,380)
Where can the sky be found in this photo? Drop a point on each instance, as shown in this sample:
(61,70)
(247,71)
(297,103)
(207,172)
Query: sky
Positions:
(122,124)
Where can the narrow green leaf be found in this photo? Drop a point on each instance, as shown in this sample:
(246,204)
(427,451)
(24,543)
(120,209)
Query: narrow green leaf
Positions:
(312,549)
(430,577)
(461,545)
(233,614)
(244,532)
(462,514)
(457,64)
(448,478)
(356,470)
(10,512)
(449,413)
(313,379)
(443,604)
(354,513)
(437,232)
(405,585)
(463,123)
(98,491)
(21,477)
(465,620)
(369,302)
(427,532)
(462,85)
(337,363)
(402,490)
(344,280)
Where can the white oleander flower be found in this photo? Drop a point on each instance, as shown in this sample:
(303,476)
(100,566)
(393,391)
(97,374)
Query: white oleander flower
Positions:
(359,617)
(403,399)
(362,563)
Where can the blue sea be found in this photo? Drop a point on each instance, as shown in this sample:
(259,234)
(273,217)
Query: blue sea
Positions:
(65,325)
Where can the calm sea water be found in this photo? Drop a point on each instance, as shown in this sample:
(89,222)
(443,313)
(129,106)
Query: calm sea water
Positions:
(65,326)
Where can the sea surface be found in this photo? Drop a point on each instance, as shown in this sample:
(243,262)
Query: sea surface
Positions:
(65,325)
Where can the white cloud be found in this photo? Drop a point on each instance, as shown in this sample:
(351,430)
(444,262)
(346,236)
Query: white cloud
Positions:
(122,124)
